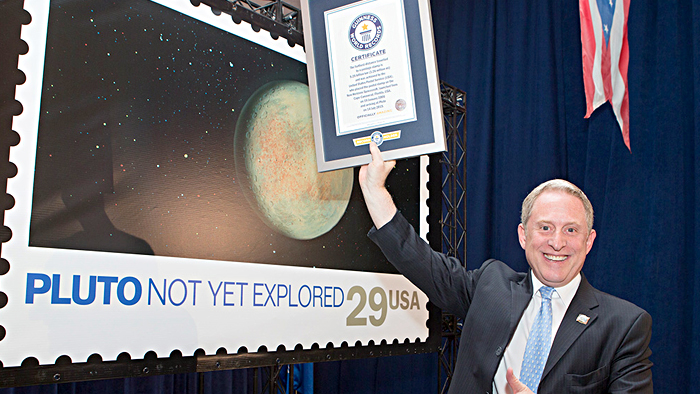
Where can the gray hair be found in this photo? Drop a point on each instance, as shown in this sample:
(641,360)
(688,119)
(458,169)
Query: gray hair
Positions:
(556,185)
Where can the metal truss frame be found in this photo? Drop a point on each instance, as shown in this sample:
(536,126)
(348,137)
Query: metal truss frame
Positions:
(277,17)
(274,383)
(453,219)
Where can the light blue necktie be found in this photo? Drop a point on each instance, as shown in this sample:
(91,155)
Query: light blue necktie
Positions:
(538,343)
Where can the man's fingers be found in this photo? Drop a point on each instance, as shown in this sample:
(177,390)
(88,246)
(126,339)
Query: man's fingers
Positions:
(510,377)
(516,385)
(377,159)
(376,154)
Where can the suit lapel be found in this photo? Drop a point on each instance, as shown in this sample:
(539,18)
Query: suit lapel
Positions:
(520,293)
(583,303)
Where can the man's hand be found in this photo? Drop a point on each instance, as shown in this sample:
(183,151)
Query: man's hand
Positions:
(515,384)
(373,175)
(372,180)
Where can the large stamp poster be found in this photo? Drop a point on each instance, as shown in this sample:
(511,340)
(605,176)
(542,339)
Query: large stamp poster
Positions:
(167,196)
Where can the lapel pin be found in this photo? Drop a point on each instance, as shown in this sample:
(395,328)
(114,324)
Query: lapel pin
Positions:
(583,319)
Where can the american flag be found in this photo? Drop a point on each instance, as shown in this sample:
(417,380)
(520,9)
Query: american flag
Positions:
(606,57)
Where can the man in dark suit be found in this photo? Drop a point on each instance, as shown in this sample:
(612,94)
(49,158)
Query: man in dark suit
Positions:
(549,326)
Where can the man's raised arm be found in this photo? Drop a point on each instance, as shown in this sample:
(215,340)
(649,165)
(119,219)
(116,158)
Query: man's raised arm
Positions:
(372,180)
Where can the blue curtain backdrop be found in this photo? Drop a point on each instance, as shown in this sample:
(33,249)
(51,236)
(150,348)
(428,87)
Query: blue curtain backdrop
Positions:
(519,62)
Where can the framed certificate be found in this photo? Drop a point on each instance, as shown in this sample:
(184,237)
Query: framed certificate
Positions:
(372,77)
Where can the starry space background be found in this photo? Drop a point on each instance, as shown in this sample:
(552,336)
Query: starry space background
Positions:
(135,143)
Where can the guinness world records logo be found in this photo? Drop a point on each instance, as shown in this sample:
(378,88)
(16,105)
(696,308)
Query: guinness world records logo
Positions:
(365,31)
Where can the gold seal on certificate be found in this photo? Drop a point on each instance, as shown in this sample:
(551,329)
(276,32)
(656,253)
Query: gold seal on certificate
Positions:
(371,80)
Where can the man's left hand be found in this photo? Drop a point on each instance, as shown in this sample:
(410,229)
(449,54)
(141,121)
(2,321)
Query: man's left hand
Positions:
(515,384)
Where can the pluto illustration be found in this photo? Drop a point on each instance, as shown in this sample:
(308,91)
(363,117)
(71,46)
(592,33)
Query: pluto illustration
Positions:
(276,164)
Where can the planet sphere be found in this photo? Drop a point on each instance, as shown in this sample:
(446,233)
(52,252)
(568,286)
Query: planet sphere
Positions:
(276,164)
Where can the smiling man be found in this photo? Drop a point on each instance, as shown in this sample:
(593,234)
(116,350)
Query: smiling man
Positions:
(556,231)
(544,331)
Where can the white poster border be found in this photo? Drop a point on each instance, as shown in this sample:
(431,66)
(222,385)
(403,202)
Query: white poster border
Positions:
(160,304)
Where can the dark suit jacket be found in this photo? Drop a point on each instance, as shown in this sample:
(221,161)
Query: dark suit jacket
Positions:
(608,354)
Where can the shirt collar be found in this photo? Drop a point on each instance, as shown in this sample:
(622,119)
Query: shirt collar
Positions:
(566,292)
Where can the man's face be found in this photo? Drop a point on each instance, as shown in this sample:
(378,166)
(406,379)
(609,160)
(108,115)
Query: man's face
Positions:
(556,240)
